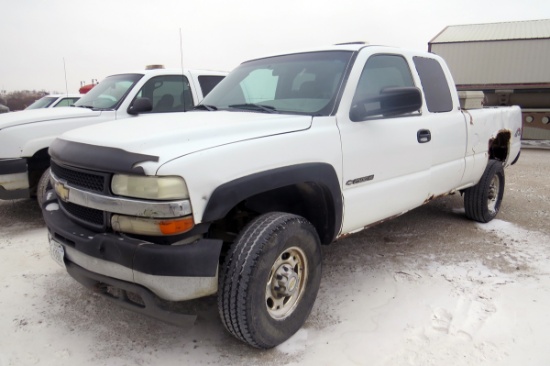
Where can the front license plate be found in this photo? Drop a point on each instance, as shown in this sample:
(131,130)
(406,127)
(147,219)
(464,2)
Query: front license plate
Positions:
(57,252)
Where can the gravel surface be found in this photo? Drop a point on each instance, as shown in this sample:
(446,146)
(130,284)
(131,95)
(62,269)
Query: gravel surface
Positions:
(427,288)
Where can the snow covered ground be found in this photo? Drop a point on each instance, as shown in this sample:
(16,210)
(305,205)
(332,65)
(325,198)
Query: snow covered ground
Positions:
(428,288)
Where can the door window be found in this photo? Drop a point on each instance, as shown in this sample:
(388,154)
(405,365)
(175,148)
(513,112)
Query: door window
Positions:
(168,93)
(380,72)
(66,102)
(208,82)
(434,83)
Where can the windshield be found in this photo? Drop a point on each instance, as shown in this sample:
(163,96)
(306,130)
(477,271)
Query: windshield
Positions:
(43,102)
(109,93)
(304,83)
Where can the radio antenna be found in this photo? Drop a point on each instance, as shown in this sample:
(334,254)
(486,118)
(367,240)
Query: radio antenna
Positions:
(65,70)
(181,52)
(182,75)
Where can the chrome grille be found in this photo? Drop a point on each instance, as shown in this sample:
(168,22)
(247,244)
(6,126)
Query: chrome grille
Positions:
(84,214)
(89,180)
(80,179)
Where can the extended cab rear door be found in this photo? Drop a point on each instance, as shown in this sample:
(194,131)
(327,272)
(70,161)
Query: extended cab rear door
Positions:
(446,124)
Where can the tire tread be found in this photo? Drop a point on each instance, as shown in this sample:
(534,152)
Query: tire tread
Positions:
(236,272)
(475,198)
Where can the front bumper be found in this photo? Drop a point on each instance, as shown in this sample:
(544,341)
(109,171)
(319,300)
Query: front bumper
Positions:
(124,294)
(14,179)
(171,272)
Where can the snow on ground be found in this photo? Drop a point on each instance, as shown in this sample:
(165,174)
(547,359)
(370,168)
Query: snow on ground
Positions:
(428,288)
(412,310)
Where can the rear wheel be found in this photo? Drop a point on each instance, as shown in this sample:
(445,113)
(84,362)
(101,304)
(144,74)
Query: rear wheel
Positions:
(483,200)
(269,279)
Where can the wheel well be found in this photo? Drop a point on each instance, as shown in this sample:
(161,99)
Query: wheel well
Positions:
(37,164)
(310,190)
(309,200)
(499,146)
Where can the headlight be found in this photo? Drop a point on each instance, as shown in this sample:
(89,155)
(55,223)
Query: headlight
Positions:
(149,187)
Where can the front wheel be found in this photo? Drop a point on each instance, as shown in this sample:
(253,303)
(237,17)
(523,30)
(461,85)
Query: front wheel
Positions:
(483,200)
(43,186)
(269,279)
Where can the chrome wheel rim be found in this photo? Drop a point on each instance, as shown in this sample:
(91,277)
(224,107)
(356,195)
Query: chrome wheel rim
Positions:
(492,197)
(286,283)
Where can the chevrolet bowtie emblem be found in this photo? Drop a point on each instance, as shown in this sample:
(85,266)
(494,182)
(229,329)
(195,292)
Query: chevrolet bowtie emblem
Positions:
(62,191)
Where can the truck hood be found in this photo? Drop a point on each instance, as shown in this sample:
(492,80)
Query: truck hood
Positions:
(176,134)
(44,114)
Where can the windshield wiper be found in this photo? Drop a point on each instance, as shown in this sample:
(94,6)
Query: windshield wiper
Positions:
(254,107)
(206,107)
(84,106)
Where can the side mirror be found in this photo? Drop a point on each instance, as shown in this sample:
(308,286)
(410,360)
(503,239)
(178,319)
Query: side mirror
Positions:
(400,100)
(391,101)
(140,105)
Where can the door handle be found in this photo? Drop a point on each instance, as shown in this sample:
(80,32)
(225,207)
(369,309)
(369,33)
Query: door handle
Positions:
(424,136)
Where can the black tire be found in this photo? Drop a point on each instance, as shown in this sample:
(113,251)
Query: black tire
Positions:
(43,186)
(482,201)
(259,301)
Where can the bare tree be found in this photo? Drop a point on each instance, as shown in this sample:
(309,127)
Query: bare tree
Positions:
(19,100)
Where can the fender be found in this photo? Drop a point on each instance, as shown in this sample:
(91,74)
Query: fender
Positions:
(323,175)
(35,145)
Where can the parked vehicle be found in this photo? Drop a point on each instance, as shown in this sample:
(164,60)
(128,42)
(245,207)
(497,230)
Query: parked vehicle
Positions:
(86,88)
(26,135)
(4,109)
(54,101)
(237,197)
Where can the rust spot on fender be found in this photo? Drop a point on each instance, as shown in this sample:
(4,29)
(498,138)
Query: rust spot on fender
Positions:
(384,220)
(429,199)
(433,197)
(469,115)
(343,236)
(499,145)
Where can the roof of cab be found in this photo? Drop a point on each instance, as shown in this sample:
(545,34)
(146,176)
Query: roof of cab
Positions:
(172,71)
(349,46)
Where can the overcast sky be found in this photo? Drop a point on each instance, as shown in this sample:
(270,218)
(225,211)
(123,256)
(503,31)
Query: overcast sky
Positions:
(98,38)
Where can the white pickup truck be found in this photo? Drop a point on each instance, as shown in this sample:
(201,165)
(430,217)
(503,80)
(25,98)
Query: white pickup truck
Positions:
(25,136)
(287,153)
(55,101)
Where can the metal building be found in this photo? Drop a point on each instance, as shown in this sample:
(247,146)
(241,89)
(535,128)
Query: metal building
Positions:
(509,62)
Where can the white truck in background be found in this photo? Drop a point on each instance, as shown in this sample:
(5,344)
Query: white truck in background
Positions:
(55,101)
(287,153)
(26,135)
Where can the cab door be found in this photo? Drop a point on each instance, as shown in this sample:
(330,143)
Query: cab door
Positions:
(447,126)
(386,164)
